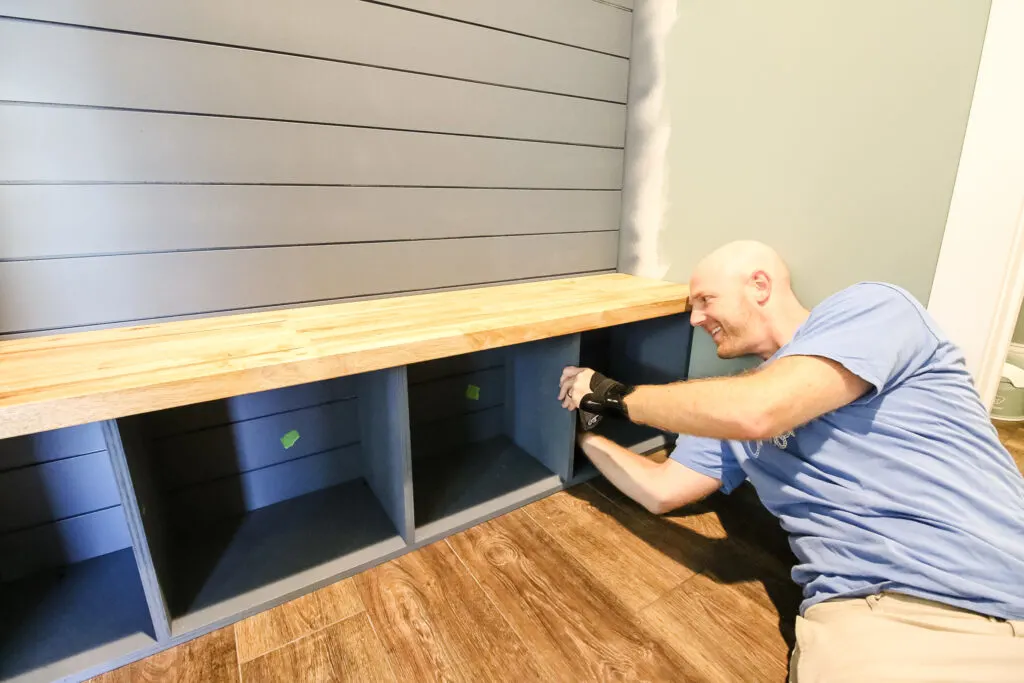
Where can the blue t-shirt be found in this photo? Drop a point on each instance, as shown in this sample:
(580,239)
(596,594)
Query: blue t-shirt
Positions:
(906,489)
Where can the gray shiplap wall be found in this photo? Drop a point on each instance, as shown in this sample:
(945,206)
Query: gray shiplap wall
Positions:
(260,155)
(59,502)
(168,160)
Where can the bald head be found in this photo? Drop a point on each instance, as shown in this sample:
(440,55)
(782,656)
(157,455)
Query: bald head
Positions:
(742,296)
(741,260)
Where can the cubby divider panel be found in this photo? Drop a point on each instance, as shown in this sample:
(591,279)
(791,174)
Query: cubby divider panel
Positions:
(243,513)
(488,433)
(654,351)
(71,597)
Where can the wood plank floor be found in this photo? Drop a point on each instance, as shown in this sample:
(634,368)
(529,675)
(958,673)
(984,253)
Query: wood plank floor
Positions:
(581,586)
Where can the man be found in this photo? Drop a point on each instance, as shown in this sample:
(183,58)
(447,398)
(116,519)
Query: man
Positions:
(863,433)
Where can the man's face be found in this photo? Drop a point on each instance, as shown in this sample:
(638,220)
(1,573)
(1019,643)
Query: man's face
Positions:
(726,310)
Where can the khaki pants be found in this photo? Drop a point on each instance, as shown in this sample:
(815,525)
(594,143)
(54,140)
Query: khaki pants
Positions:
(893,637)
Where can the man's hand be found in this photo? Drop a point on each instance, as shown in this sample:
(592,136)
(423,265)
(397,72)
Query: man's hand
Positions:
(573,386)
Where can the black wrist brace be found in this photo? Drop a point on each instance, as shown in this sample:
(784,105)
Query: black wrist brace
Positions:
(606,397)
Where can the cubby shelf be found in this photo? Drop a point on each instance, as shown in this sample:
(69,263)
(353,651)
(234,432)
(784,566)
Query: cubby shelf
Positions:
(203,510)
(467,486)
(241,564)
(60,622)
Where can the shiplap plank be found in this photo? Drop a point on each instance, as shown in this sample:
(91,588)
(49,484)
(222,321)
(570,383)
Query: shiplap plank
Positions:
(199,456)
(260,488)
(583,23)
(454,396)
(209,414)
(56,490)
(69,220)
(456,365)
(50,294)
(355,31)
(452,434)
(56,144)
(69,65)
(47,446)
(63,543)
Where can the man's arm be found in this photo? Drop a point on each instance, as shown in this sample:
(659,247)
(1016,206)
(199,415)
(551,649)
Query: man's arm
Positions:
(773,400)
(659,487)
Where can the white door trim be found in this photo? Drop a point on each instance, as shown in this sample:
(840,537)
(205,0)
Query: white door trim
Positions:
(979,279)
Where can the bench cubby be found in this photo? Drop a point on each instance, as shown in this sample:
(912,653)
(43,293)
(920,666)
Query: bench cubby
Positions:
(654,351)
(488,433)
(71,597)
(248,501)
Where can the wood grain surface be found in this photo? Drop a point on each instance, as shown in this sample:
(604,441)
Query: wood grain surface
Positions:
(720,631)
(578,629)
(437,624)
(70,379)
(601,537)
(1012,436)
(346,651)
(207,659)
(269,630)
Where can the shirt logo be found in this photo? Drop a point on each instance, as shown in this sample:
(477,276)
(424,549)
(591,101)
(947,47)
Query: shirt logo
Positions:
(780,442)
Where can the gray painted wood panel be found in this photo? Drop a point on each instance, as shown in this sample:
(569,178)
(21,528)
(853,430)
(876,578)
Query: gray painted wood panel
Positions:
(655,351)
(194,457)
(144,516)
(57,144)
(50,294)
(456,365)
(359,32)
(451,434)
(200,416)
(68,65)
(385,444)
(583,23)
(535,418)
(52,445)
(234,495)
(454,396)
(472,484)
(56,625)
(235,569)
(62,543)
(56,490)
(69,220)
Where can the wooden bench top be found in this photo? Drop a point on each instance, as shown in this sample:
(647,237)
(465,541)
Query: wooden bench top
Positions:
(70,379)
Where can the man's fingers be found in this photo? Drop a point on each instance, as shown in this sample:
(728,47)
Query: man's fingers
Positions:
(569,372)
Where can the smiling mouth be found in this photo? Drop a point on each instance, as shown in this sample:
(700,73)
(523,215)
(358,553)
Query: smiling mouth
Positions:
(715,331)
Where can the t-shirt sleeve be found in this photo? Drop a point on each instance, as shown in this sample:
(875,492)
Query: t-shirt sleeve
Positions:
(873,330)
(711,458)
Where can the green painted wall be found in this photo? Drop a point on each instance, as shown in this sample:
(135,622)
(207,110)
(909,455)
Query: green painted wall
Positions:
(1018,334)
(830,129)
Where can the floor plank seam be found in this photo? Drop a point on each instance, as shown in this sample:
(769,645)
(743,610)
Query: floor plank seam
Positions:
(238,655)
(380,641)
(296,640)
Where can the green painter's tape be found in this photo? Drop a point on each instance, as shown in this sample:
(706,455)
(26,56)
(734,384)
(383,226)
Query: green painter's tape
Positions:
(289,439)
(473,392)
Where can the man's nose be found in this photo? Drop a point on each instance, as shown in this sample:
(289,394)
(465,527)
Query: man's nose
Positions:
(696,317)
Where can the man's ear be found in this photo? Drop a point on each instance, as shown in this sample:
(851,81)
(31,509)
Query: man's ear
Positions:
(762,284)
